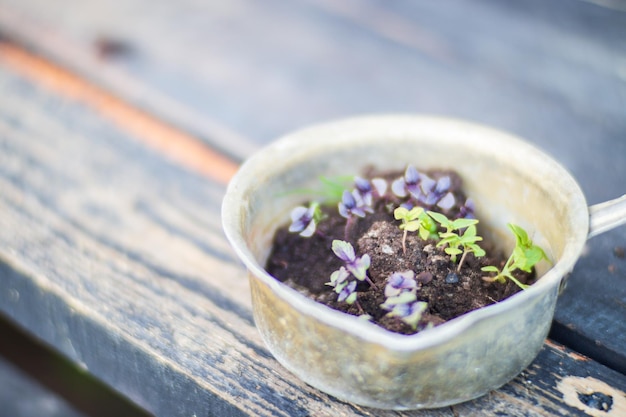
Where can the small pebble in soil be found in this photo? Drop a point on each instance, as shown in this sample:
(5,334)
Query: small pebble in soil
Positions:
(387,249)
(424,277)
(452,278)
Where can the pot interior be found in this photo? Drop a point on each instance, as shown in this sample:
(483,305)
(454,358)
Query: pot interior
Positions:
(509,180)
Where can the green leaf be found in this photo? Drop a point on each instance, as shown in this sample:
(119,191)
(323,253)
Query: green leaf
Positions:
(404,298)
(463,223)
(490,268)
(453,251)
(401,213)
(351,298)
(470,233)
(410,226)
(441,219)
(424,233)
(520,235)
(332,188)
(414,319)
(477,250)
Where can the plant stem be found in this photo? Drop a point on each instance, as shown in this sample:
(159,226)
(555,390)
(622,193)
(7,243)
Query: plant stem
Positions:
(346,232)
(458,268)
(404,242)
(359,307)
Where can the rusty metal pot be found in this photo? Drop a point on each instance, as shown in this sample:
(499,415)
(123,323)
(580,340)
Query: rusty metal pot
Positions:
(359,362)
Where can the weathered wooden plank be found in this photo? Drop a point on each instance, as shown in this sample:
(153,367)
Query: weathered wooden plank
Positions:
(591,312)
(559,382)
(117,259)
(265,70)
(114,256)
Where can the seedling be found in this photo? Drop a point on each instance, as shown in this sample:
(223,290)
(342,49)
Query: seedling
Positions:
(402,299)
(304,220)
(437,193)
(451,225)
(344,280)
(366,190)
(524,257)
(414,220)
(400,282)
(461,244)
(351,207)
(408,184)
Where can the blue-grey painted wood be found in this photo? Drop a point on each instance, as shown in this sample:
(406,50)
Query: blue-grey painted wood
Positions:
(238,74)
(114,256)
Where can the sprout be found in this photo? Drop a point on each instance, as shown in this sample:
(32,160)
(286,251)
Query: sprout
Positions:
(349,206)
(524,257)
(354,267)
(462,244)
(401,299)
(399,282)
(363,190)
(413,220)
(304,220)
(455,243)
(438,193)
(406,307)
(357,266)
(409,184)
(352,205)
(451,225)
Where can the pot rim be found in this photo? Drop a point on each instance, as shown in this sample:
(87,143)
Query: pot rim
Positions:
(232,211)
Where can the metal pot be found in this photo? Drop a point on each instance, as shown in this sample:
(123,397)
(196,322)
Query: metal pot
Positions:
(359,362)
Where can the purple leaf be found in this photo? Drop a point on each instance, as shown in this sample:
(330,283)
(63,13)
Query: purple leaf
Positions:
(446,202)
(343,250)
(347,291)
(349,206)
(399,282)
(303,220)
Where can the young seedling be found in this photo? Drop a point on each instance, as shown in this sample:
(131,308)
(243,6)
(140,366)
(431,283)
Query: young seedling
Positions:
(344,280)
(401,298)
(357,266)
(524,257)
(461,244)
(350,207)
(400,282)
(451,225)
(415,220)
(367,190)
(304,220)
(407,184)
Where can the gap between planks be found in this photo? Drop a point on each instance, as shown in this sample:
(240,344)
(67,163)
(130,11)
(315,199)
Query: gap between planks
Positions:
(173,143)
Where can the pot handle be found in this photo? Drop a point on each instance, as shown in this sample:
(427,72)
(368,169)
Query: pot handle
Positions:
(606,216)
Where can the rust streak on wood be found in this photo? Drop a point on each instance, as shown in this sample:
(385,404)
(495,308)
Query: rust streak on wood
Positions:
(574,355)
(175,144)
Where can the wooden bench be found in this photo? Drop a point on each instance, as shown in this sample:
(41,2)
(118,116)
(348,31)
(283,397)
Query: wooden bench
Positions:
(121,123)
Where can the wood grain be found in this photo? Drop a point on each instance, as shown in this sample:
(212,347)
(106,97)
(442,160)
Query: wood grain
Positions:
(111,247)
(182,148)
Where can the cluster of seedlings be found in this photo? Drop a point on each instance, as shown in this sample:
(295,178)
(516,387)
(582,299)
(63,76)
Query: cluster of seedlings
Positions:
(420,204)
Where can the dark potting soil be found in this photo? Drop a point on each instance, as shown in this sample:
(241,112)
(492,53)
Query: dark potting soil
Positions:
(306,264)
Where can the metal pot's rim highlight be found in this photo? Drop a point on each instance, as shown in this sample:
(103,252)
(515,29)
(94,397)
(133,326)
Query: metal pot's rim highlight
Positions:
(235,203)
